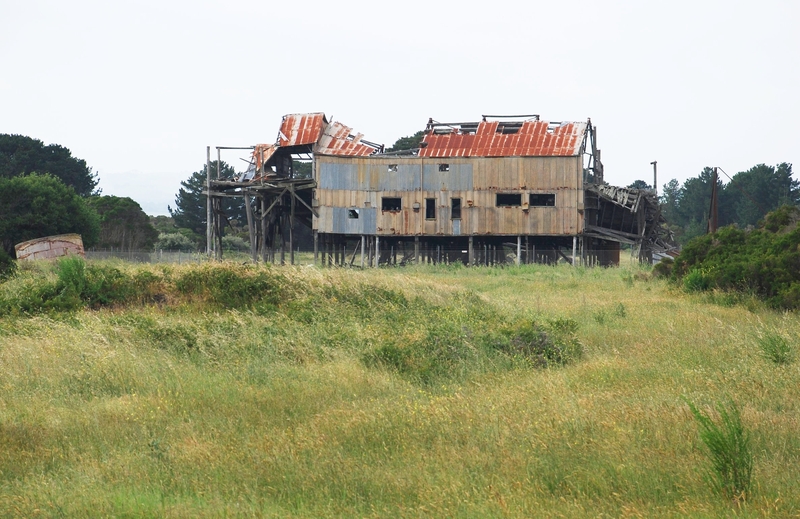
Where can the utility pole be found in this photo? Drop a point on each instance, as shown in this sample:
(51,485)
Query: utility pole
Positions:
(713,212)
(655,177)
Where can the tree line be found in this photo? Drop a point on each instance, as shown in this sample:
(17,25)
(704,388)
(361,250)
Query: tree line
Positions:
(744,200)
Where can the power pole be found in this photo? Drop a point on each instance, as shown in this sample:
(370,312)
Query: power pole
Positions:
(655,177)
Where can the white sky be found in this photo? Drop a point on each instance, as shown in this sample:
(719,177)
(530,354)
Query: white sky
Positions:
(139,89)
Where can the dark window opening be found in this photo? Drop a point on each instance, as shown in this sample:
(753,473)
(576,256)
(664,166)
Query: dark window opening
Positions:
(509,128)
(444,167)
(390,204)
(455,208)
(542,200)
(392,168)
(430,208)
(509,200)
(352,214)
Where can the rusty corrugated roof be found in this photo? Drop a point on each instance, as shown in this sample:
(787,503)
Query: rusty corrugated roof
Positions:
(337,140)
(262,153)
(533,139)
(299,129)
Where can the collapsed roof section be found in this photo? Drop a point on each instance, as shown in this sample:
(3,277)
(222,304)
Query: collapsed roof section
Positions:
(305,134)
(504,138)
(628,215)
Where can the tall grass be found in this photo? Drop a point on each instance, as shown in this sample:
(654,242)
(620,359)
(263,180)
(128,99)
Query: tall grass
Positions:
(727,444)
(424,391)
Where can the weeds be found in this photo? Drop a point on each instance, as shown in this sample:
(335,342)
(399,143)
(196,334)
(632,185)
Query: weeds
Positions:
(728,449)
(776,348)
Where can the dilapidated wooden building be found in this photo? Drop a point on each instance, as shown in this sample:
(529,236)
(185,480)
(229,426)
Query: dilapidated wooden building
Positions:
(499,189)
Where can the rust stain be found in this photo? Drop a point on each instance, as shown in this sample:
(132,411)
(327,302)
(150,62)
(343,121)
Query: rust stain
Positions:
(531,139)
(50,247)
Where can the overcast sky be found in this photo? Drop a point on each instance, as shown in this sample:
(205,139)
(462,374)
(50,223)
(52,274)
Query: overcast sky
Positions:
(139,89)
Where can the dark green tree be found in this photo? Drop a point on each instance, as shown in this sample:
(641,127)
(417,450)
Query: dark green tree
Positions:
(20,155)
(123,224)
(751,194)
(33,206)
(408,143)
(639,184)
(190,202)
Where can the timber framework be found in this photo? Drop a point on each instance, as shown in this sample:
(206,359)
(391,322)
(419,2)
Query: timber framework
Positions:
(501,189)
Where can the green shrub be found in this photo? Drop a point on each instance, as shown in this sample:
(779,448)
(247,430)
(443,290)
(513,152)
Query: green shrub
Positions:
(663,269)
(232,286)
(728,448)
(764,262)
(7,265)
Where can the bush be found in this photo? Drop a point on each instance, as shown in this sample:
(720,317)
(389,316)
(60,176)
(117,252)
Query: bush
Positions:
(728,448)
(764,262)
(7,265)
(175,242)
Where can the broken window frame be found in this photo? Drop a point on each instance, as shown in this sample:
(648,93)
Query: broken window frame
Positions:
(455,208)
(542,199)
(430,209)
(353,214)
(444,167)
(391,204)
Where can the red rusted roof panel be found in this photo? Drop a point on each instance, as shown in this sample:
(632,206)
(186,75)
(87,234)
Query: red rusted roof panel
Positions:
(533,139)
(336,139)
(262,153)
(299,129)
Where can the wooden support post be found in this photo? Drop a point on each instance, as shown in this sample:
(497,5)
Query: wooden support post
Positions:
(251,227)
(416,250)
(291,229)
(362,250)
(519,249)
(264,228)
(377,250)
(209,224)
(574,247)
(470,253)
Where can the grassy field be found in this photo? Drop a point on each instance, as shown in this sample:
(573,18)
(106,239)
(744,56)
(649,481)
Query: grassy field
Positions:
(408,392)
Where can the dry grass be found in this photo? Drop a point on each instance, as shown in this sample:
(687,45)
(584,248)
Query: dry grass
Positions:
(186,411)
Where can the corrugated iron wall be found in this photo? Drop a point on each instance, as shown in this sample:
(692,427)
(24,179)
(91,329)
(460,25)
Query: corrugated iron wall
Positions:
(362,182)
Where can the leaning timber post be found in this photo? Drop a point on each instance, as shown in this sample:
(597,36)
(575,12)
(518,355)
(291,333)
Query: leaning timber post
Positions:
(209,228)
(316,246)
(250,227)
(470,253)
(291,229)
(377,250)
(574,248)
(519,249)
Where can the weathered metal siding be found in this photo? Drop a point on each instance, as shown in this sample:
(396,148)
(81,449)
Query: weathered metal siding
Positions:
(363,182)
(50,247)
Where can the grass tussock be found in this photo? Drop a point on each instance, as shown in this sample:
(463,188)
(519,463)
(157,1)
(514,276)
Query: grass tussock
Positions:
(727,445)
(233,390)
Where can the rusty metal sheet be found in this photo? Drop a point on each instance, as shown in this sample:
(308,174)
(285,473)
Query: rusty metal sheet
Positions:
(261,155)
(337,139)
(50,247)
(533,139)
(299,129)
